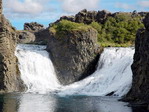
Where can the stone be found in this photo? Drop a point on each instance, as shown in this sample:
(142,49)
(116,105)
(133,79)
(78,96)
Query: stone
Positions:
(10,80)
(146,22)
(85,16)
(42,36)
(1,7)
(25,37)
(102,16)
(140,67)
(33,27)
(75,55)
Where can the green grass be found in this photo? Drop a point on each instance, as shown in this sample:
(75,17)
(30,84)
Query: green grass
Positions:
(118,31)
(65,25)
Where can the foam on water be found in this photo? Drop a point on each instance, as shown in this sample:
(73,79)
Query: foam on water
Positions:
(113,74)
(37,70)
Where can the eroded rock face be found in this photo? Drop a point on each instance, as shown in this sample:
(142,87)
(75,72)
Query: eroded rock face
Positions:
(10,80)
(34,33)
(26,37)
(87,17)
(146,22)
(33,26)
(75,54)
(0,6)
(140,66)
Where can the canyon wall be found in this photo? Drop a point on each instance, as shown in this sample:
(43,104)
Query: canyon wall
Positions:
(9,73)
(140,66)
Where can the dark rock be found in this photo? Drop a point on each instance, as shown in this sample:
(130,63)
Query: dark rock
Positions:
(33,27)
(69,18)
(85,16)
(102,16)
(146,22)
(26,37)
(143,14)
(75,54)
(140,67)
(42,36)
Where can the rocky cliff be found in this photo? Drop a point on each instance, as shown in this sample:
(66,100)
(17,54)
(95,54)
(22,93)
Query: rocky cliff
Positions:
(74,53)
(87,17)
(140,66)
(9,73)
(33,33)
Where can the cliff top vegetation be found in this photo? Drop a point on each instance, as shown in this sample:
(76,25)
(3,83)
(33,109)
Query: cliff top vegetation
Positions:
(117,31)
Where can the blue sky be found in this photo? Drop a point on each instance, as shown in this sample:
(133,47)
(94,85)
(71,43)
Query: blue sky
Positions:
(47,11)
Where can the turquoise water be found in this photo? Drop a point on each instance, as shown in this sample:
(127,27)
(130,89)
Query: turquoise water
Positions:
(16,102)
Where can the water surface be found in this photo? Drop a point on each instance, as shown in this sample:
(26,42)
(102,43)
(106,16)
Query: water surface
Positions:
(16,102)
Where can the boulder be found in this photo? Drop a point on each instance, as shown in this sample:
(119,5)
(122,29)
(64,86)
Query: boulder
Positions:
(75,54)
(140,66)
(85,16)
(33,27)
(102,16)
(26,37)
(42,36)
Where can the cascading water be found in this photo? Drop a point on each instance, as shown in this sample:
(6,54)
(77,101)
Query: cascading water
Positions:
(113,74)
(36,68)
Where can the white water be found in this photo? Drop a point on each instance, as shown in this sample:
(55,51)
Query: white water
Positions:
(37,70)
(112,75)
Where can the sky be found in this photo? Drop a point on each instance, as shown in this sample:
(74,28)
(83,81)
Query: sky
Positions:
(47,11)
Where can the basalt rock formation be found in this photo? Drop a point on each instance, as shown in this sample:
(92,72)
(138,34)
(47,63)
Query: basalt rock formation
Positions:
(34,33)
(33,27)
(140,66)
(75,54)
(9,73)
(88,17)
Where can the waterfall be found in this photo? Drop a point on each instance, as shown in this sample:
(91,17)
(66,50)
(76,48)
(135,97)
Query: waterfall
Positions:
(112,77)
(36,68)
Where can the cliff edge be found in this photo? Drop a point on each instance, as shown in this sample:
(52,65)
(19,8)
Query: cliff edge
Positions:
(140,67)
(9,73)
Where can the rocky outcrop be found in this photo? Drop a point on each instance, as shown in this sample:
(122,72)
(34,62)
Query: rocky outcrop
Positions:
(74,54)
(34,33)
(140,66)
(0,6)
(42,36)
(26,37)
(33,27)
(9,73)
(87,17)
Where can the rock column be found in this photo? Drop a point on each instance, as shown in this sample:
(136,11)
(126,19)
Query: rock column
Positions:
(140,66)
(1,7)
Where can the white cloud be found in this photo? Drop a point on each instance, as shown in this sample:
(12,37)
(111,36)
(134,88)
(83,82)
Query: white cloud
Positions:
(74,6)
(27,6)
(144,4)
(14,9)
(124,6)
